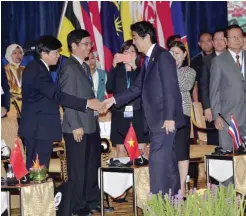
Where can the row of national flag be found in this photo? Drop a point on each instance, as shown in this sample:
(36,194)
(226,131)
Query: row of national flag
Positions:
(108,23)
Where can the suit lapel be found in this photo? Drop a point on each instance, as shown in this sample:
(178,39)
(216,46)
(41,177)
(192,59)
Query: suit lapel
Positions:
(232,62)
(82,69)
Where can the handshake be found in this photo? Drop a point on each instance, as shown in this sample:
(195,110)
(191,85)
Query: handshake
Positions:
(101,107)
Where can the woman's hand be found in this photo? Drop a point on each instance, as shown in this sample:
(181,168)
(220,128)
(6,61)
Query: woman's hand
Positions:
(116,60)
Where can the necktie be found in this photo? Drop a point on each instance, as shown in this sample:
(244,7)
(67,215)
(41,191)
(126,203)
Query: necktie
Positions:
(238,62)
(87,70)
(146,61)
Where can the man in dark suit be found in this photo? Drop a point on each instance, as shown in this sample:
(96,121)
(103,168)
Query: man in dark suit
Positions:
(219,47)
(206,45)
(81,129)
(40,123)
(158,86)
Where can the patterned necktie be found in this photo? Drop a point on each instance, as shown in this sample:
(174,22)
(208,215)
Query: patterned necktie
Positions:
(87,70)
(238,62)
(146,61)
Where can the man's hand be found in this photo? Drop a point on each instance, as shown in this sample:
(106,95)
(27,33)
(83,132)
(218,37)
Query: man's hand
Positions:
(105,117)
(3,111)
(94,104)
(78,134)
(169,125)
(208,115)
(108,103)
(219,123)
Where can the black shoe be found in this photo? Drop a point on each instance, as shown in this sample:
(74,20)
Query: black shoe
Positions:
(141,161)
(120,200)
(83,212)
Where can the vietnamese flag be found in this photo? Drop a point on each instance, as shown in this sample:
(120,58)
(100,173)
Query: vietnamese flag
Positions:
(131,144)
(17,161)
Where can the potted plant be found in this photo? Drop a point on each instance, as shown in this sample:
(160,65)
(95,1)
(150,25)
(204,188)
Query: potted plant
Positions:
(38,173)
(213,201)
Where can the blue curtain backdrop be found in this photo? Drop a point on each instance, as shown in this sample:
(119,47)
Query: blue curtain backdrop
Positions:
(203,16)
(24,22)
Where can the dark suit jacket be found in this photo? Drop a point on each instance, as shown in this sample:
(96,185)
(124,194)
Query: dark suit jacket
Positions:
(117,83)
(5,98)
(75,81)
(40,116)
(159,90)
(204,80)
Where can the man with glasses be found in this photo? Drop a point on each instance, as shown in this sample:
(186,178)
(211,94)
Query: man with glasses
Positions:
(228,86)
(219,47)
(81,129)
(40,123)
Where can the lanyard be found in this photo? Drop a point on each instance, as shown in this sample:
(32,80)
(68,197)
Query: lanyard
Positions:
(128,81)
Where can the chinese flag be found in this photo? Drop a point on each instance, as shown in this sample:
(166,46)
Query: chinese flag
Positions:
(131,144)
(17,161)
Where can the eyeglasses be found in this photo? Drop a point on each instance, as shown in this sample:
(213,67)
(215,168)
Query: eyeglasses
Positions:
(234,38)
(88,44)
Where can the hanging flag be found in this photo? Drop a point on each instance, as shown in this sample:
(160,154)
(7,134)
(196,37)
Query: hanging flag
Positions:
(71,19)
(87,21)
(97,29)
(178,23)
(17,161)
(126,19)
(234,132)
(111,31)
(131,144)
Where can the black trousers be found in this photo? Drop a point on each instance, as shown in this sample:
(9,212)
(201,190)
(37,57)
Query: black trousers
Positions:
(212,135)
(83,161)
(43,148)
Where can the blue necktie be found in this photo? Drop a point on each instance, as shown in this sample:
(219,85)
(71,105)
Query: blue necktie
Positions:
(146,61)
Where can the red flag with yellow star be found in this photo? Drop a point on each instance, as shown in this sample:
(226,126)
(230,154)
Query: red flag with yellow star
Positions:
(131,144)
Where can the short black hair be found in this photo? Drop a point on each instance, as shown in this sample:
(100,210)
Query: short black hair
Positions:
(47,43)
(219,30)
(230,27)
(172,38)
(203,33)
(76,36)
(126,45)
(143,28)
(181,46)
(244,34)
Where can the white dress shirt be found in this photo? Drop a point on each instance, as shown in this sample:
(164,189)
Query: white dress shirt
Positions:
(45,64)
(150,51)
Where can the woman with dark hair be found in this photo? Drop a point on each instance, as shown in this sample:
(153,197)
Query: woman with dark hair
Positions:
(122,75)
(186,78)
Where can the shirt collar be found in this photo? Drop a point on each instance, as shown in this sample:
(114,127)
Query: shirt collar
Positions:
(217,53)
(150,50)
(45,64)
(234,54)
(78,59)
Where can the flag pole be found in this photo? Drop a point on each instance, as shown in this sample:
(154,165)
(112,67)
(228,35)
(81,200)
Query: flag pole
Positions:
(62,15)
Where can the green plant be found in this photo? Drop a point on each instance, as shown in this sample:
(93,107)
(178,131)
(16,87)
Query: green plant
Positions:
(214,201)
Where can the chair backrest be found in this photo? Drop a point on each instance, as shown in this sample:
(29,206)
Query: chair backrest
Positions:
(198,119)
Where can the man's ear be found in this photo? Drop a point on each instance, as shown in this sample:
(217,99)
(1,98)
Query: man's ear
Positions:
(199,44)
(74,46)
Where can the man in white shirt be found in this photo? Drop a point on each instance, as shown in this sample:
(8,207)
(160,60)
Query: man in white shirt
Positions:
(228,86)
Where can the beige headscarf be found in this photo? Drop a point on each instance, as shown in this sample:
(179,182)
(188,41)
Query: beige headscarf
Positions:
(9,52)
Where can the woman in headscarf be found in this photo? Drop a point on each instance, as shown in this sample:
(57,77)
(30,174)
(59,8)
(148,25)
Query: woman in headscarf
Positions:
(14,56)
